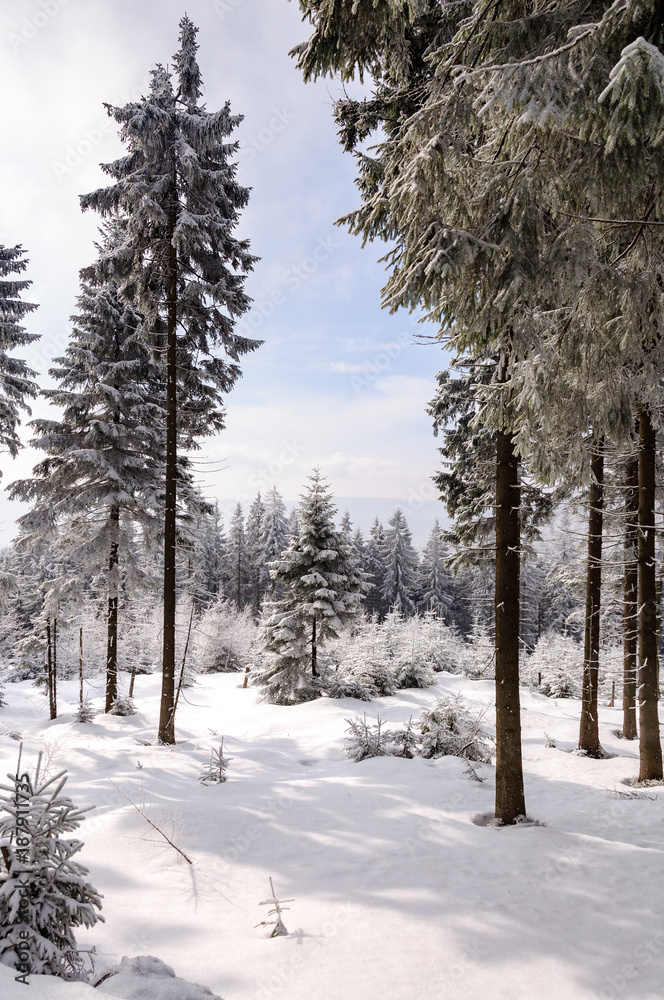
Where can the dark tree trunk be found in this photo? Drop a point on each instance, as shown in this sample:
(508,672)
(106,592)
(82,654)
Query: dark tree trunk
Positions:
(630,600)
(167,707)
(314,650)
(112,616)
(50,671)
(55,669)
(80,666)
(650,746)
(510,799)
(589,729)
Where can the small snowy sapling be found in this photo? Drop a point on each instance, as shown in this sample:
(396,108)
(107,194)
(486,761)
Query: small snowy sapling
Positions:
(214,772)
(279,929)
(368,740)
(44,895)
(85,712)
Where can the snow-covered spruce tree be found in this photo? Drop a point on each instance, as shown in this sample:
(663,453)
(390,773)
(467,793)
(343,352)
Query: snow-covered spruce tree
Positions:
(237,559)
(436,584)
(183,268)
(374,569)
(322,591)
(587,83)
(211,550)
(255,564)
(104,469)
(274,537)
(479,253)
(16,379)
(401,569)
(44,892)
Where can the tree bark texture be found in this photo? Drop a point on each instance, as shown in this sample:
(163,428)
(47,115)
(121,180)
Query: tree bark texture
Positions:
(510,798)
(630,600)
(112,614)
(650,746)
(589,728)
(166,732)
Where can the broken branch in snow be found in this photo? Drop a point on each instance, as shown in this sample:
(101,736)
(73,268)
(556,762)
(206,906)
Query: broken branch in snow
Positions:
(154,826)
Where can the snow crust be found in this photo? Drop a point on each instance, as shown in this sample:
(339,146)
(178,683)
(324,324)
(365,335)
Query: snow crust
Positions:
(398,892)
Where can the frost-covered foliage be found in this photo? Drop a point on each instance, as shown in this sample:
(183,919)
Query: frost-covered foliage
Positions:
(558,659)
(214,772)
(225,638)
(85,712)
(368,739)
(400,562)
(399,652)
(322,590)
(123,705)
(40,911)
(479,653)
(451,729)
(16,383)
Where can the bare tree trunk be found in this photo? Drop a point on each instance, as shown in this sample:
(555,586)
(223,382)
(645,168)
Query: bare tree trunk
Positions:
(630,600)
(166,732)
(55,669)
(314,650)
(589,728)
(80,665)
(650,746)
(50,676)
(112,615)
(510,798)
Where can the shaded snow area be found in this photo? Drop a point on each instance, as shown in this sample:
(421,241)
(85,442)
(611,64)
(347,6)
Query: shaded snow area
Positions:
(399,892)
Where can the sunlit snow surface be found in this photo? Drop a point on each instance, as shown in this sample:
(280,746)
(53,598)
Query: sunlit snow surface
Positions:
(398,894)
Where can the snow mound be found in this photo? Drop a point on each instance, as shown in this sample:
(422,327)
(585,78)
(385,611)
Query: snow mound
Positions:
(148,978)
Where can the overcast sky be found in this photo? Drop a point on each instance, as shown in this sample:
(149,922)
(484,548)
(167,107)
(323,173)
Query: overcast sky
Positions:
(338,382)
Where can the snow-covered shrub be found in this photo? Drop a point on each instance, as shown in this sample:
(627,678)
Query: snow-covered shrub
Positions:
(558,660)
(40,911)
(441,646)
(450,729)
(414,673)
(336,685)
(225,638)
(478,651)
(85,712)
(368,740)
(123,705)
(406,741)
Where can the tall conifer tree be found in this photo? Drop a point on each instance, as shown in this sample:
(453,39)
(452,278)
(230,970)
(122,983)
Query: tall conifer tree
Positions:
(183,267)
(16,379)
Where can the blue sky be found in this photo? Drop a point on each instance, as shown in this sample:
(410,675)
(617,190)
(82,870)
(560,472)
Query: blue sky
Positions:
(338,383)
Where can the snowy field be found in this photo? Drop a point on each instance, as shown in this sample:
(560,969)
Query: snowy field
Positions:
(399,892)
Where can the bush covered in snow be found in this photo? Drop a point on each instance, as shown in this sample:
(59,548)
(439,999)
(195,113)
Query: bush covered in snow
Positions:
(558,661)
(398,652)
(367,740)
(225,638)
(123,705)
(450,729)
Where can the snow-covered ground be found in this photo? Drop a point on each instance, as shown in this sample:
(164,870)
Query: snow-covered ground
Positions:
(399,893)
